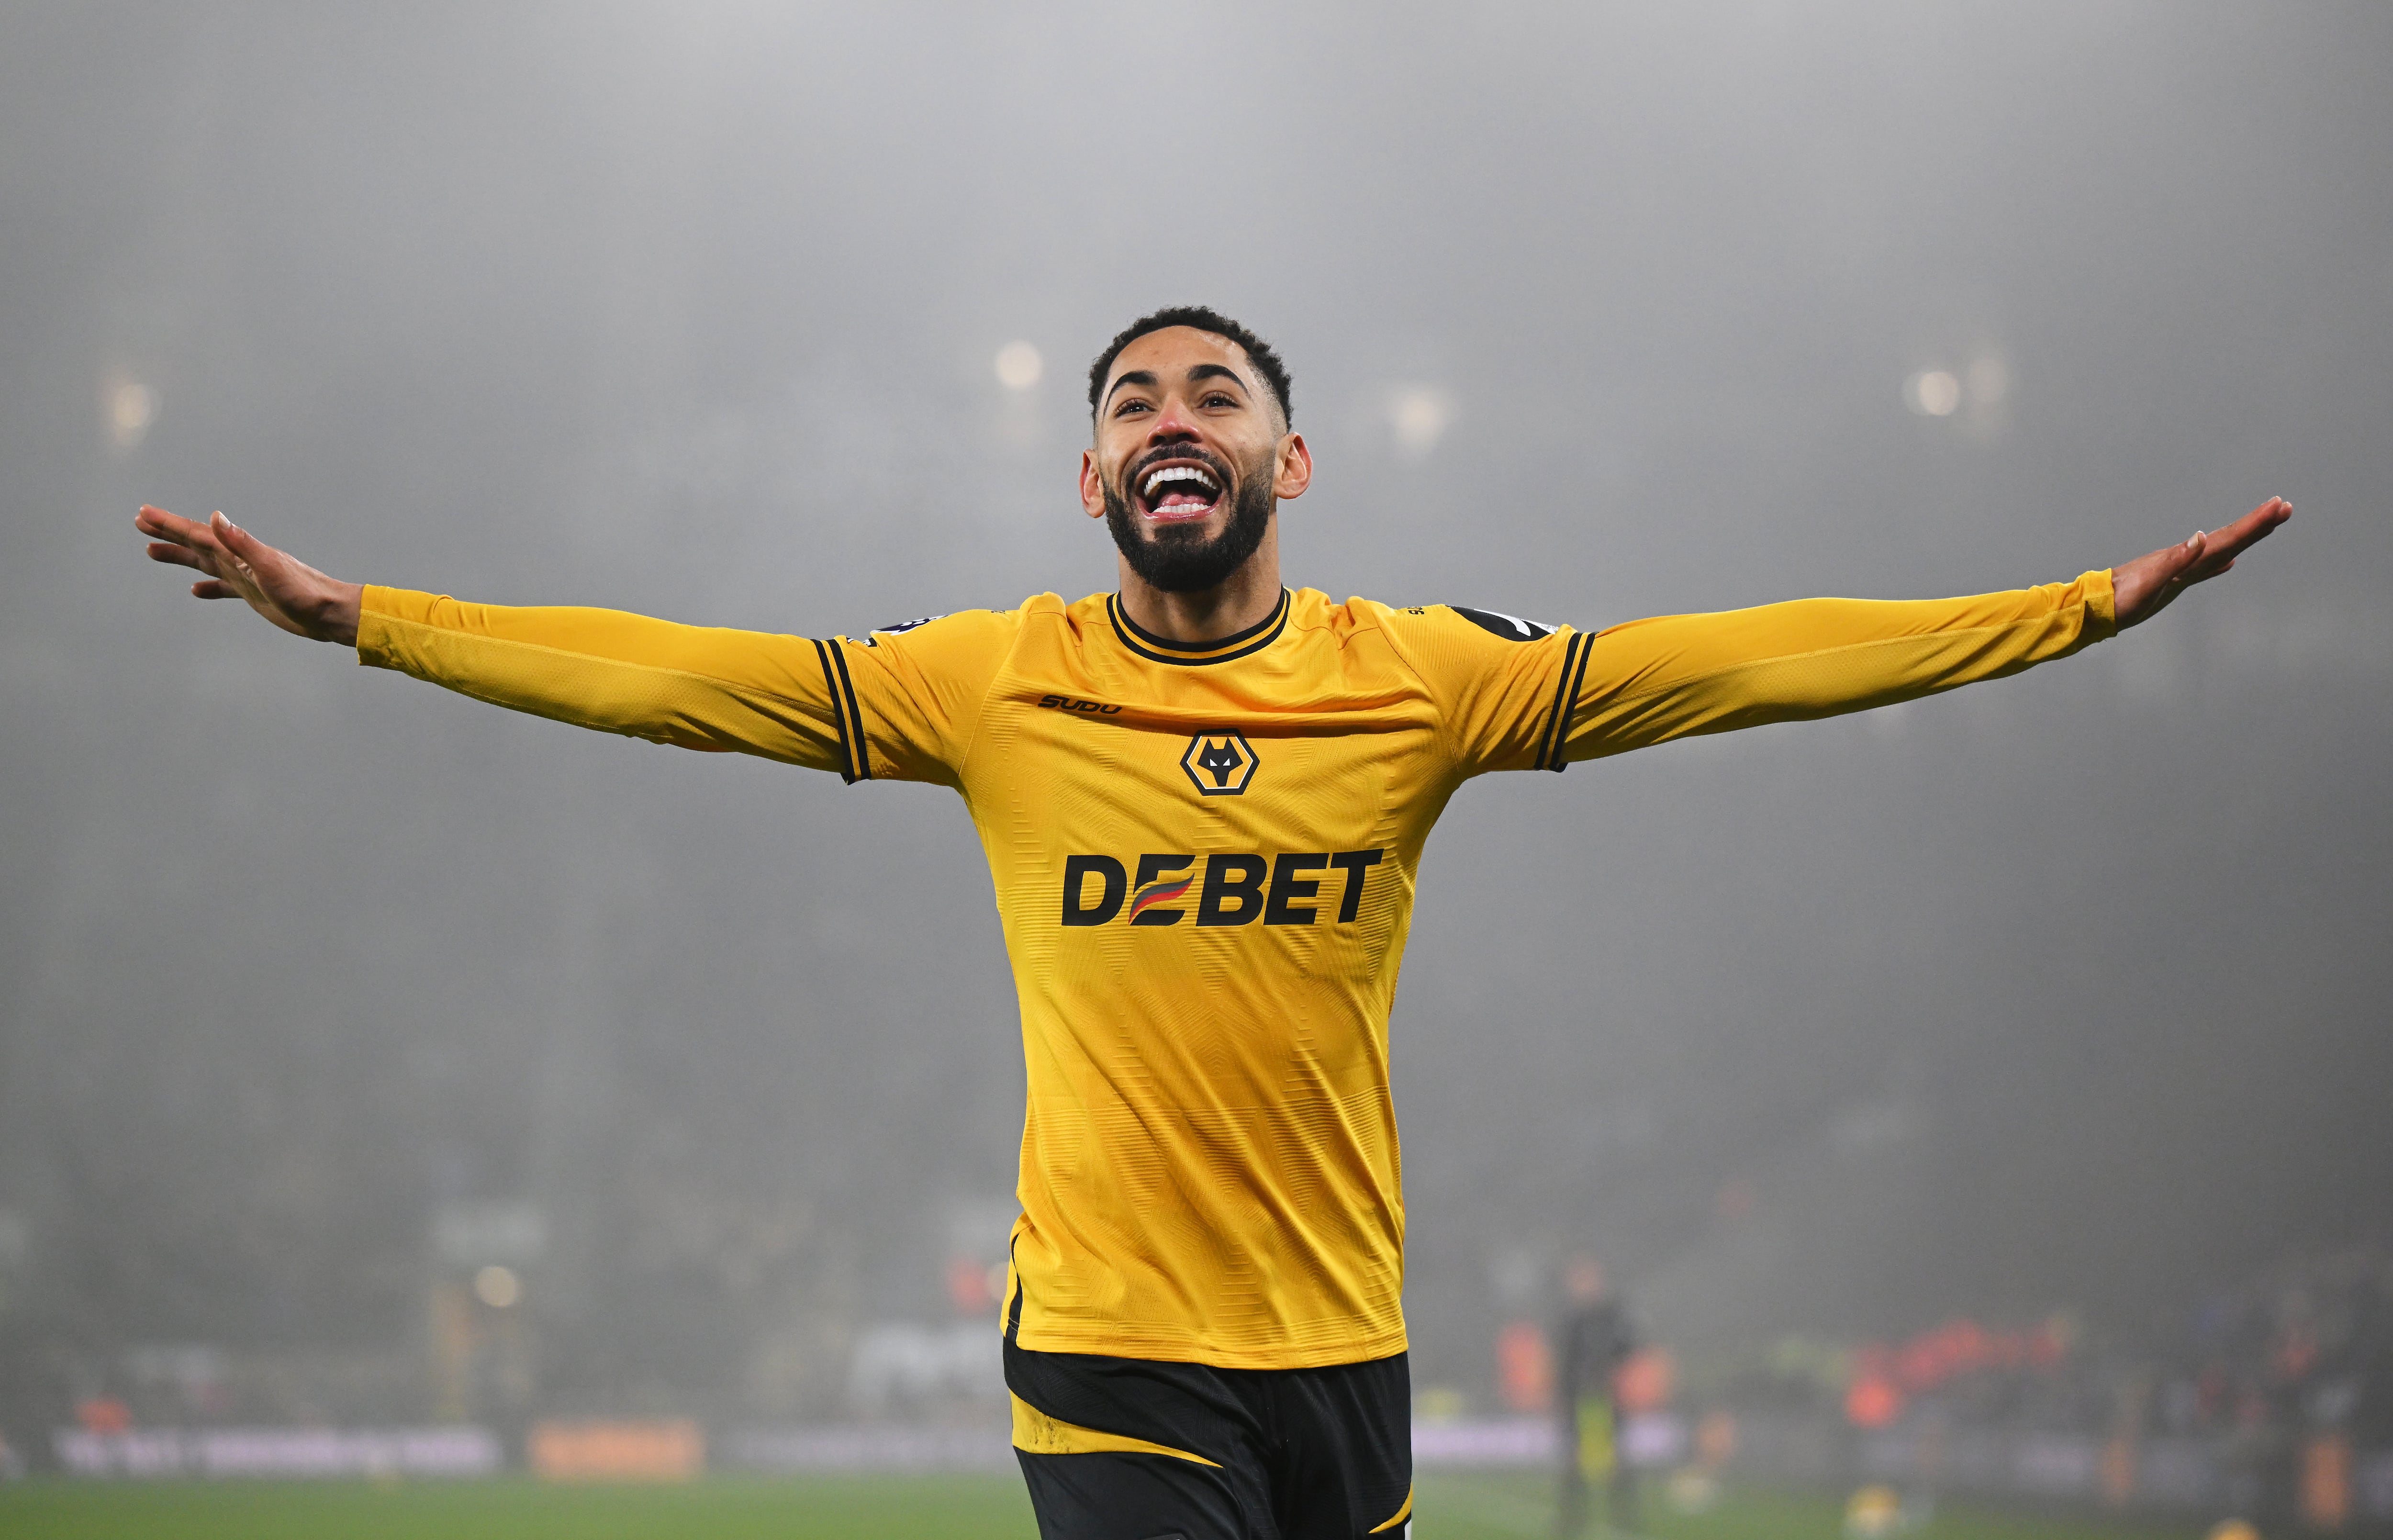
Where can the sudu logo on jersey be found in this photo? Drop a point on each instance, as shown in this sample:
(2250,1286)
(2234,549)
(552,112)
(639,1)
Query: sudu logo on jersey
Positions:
(1219,765)
(1233,890)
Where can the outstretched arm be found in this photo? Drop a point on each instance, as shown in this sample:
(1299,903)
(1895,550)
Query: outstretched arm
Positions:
(1651,681)
(889,707)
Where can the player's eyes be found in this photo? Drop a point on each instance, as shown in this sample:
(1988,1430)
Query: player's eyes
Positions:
(1208,401)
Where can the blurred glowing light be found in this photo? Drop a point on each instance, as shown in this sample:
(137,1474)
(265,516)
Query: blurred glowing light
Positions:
(1645,1381)
(1873,1513)
(968,1284)
(1420,414)
(1873,1400)
(1525,1367)
(130,408)
(498,1286)
(1019,366)
(1990,380)
(1932,393)
(1693,1491)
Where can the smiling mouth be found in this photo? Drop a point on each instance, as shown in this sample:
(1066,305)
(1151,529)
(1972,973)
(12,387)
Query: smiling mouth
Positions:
(1178,491)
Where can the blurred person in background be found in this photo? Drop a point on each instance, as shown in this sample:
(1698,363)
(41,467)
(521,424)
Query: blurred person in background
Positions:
(1596,1341)
(1203,799)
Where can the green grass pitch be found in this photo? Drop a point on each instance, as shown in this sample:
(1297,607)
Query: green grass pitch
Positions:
(935,1508)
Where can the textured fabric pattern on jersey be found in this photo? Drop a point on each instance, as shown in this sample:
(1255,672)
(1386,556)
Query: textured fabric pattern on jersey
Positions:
(1237,1454)
(1204,861)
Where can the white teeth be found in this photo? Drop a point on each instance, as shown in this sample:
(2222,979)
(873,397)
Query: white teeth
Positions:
(1178,472)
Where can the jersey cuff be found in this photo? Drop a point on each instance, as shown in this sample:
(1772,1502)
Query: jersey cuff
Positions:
(2101,603)
(379,611)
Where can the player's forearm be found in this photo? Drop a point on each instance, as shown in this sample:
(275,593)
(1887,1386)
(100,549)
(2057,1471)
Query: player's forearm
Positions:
(694,686)
(1651,681)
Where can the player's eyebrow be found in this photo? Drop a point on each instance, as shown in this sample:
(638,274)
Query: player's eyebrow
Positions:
(1219,371)
(1133,376)
(1201,371)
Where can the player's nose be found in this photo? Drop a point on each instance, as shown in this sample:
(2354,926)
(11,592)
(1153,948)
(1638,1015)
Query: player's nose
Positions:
(1174,424)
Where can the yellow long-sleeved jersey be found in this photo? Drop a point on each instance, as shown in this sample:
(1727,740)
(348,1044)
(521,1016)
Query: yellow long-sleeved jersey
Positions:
(1203,859)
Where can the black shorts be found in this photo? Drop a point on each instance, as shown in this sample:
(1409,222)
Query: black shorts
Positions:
(1137,1449)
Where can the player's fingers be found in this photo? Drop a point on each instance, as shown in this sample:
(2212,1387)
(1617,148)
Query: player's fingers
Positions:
(152,516)
(2209,559)
(261,563)
(2253,526)
(212,589)
(238,541)
(176,556)
(2178,562)
(2237,538)
(158,523)
(254,556)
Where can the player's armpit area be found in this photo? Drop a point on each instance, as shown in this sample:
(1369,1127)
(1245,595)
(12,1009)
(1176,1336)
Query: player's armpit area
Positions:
(694,686)
(1650,681)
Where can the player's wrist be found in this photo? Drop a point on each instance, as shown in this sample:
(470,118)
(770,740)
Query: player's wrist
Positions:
(336,616)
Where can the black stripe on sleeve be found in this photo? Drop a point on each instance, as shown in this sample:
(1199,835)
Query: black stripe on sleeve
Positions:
(857,744)
(1569,707)
(833,678)
(1550,741)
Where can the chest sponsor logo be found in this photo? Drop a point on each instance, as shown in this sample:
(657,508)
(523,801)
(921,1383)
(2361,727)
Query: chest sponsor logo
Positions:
(1284,889)
(1219,765)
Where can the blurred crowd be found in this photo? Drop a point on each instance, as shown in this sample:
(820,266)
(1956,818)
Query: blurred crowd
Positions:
(2271,1397)
(2305,1346)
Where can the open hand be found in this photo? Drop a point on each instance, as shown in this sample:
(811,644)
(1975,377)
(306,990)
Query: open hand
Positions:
(239,565)
(2144,587)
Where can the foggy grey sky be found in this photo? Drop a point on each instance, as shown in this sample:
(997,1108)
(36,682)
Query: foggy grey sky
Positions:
(2067,988)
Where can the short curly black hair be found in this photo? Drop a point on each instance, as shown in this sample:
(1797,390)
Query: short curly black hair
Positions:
(1204,318)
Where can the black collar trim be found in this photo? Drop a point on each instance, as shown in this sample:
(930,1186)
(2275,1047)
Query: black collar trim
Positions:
(1158,649)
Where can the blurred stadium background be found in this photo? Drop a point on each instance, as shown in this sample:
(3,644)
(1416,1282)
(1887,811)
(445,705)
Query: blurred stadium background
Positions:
(1985,1099)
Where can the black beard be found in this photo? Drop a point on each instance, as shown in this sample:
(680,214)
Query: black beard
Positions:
(1178,559)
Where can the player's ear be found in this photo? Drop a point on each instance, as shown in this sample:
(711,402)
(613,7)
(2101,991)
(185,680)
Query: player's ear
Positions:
(1293,472)
(1092,484)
